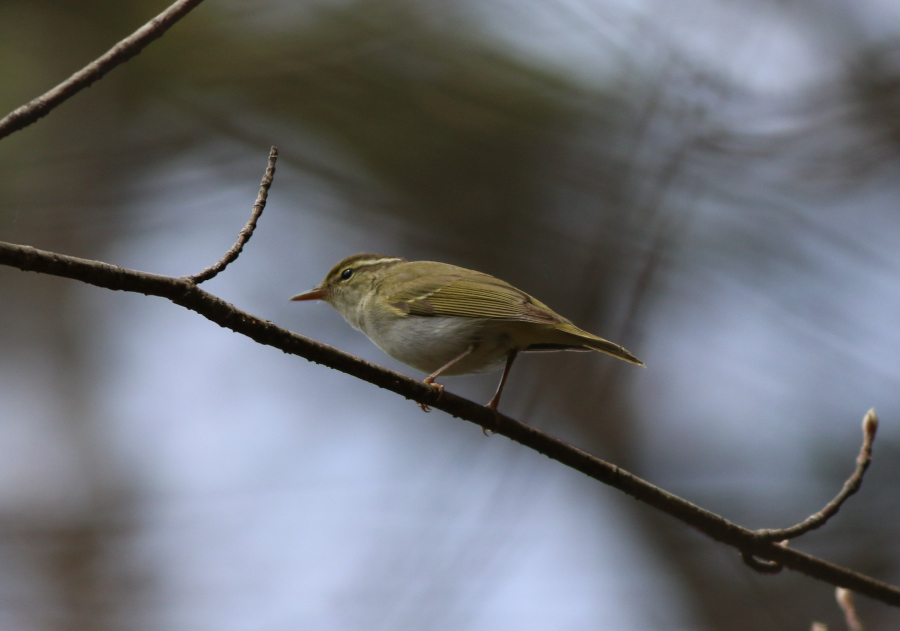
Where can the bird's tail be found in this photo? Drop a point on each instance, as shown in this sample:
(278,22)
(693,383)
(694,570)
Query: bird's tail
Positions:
(590,341)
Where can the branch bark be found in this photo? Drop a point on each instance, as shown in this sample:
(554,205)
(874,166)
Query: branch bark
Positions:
(851,486)
(185,292)
(244,236)
(36,109)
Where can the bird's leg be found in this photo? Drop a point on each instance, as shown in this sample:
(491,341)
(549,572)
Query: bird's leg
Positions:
(509,362)
(437,373)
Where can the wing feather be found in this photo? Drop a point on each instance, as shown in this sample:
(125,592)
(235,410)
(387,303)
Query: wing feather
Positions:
(475,296)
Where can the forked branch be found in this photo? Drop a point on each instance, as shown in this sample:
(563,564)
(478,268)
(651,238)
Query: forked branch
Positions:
(185,292)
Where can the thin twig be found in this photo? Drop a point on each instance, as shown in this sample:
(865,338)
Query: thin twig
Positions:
(247,231)
(123,51)
(186,294)
(851,486)
(844,599)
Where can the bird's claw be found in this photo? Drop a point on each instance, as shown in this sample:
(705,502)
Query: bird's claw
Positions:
(440,390)
(492,406)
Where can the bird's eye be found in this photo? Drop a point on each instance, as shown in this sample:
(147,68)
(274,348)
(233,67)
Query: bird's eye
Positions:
(347,273)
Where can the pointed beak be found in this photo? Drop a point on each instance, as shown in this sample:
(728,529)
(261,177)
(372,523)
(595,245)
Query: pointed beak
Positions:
(313,294)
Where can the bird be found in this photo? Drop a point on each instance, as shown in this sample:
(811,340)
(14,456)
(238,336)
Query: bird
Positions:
(446,320)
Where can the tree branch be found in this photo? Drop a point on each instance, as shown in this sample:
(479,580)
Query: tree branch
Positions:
(36,109)
(851,486)
(231,255)
(184,292)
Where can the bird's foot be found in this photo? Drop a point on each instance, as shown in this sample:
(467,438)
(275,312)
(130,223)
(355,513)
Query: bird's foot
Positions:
(492,406)
(437,386)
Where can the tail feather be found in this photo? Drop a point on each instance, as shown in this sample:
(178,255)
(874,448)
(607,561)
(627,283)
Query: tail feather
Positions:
(605,346)
(590,341)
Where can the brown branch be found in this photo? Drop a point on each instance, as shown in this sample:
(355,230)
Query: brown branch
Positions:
(123,51)
(247,232)
(851,486)
(757,550)
(183,292)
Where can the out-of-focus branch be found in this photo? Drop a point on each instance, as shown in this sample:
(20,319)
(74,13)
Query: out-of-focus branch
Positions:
(844,599)
(123,51)
(247,232)
(851,486)
(185,292)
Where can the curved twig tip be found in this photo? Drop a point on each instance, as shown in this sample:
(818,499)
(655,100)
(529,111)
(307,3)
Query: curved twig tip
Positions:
(231,255)
(851,486)
(870,423)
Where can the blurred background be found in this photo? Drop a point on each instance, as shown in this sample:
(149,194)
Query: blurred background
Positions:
(713,185)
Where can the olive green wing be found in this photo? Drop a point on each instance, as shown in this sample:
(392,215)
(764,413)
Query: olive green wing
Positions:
(472,295)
